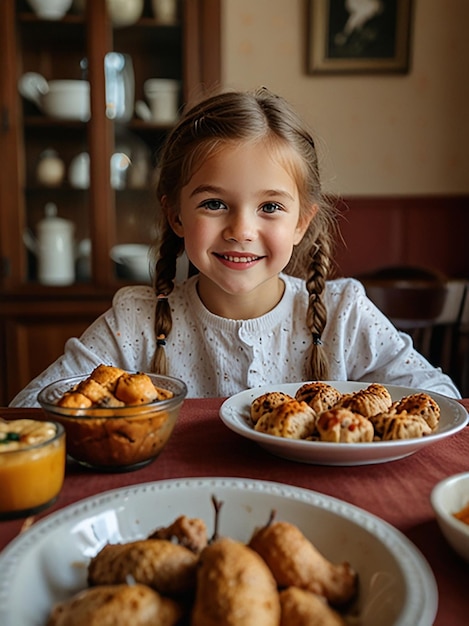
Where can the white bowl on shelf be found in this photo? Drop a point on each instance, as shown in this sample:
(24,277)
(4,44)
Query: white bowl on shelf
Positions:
(50,9)
(448,497)
(135,259)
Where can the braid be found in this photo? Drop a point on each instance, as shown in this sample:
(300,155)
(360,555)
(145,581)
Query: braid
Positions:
(171,247)
(316,315)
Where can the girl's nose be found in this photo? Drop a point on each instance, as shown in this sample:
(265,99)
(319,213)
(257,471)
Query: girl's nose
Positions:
(240,227)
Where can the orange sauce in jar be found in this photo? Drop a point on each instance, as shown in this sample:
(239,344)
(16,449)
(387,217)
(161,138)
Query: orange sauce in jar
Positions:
(32,465)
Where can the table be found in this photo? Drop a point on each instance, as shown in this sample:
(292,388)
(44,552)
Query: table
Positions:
(398,491)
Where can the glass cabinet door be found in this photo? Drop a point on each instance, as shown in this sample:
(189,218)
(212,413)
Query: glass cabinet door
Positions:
(144,77)
(86,100)
(54,96)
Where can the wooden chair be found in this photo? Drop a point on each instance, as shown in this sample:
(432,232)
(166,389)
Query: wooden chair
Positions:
(414,299)
(447,342)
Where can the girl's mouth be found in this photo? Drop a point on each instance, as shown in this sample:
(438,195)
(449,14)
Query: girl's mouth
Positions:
(240,260)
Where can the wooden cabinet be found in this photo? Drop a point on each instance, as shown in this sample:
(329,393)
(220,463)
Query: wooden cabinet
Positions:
(107,160)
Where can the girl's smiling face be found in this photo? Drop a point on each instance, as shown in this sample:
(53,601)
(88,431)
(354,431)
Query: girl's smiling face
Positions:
(240,218)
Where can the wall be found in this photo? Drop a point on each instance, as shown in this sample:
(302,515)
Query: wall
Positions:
(379,135)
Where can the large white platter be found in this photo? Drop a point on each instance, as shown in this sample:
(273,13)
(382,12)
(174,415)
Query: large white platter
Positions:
(48,562)
(234,412)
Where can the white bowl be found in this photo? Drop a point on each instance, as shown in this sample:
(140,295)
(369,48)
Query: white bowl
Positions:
(135,259)
(450,496)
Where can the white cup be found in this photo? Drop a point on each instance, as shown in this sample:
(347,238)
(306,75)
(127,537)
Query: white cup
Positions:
(67,99)
(165,11)
(163,97)
(50,9)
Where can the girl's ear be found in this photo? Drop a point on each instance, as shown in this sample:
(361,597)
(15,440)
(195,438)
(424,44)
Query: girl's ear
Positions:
(173,218)
(304,222)
(176,224)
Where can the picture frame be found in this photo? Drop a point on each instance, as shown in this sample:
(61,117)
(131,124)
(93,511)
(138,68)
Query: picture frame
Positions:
(373,36)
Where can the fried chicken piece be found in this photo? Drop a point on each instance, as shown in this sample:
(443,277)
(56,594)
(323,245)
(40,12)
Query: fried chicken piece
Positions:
(319,396)
(135,389)
(116,605)
(292,419)
(234,587)
(295,562)
(266,402)
(107,376)
(164,566)
(367,402)
(392,425)
(421,404)
(188,532)
(341,425)
(303,608)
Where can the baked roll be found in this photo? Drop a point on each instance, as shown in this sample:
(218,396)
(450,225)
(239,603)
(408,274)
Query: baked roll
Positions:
(340,425)
(403,425)
(292,419)
(266,402)
(421,404)
(319,396)
(370,401)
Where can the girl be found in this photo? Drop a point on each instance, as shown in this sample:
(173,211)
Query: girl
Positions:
(240,192)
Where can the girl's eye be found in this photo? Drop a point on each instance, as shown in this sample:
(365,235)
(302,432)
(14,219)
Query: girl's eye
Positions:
(271,207)
(213,205)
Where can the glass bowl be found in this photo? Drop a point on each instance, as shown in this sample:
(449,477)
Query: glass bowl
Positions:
(115,438)
(32,466)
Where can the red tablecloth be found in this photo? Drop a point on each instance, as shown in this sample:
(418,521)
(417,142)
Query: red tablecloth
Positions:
(397,492)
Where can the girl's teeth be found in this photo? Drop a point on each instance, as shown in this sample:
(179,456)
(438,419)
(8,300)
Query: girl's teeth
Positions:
(239,259)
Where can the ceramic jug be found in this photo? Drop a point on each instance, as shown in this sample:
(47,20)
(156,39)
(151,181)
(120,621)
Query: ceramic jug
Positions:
(54,247)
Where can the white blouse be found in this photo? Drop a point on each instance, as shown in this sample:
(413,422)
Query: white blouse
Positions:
(217,357)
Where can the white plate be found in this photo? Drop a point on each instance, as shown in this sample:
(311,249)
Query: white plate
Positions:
(234,412)
(48,562)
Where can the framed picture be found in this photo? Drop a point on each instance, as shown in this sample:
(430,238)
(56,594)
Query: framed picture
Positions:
(358,36)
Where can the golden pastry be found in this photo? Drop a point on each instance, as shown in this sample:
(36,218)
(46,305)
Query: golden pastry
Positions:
(421,404)
(99,395)
(320,396)
(266,402)
(370,401)
(341,425)
(107,375)
(135,389)
(74,400)
(292,419)
(403,425)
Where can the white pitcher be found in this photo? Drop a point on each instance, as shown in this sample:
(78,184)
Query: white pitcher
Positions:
(54,247)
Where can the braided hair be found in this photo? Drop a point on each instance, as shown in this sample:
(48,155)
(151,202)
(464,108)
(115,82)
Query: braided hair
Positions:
(234,117)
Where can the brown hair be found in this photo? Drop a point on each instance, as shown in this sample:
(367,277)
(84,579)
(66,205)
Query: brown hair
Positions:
(235,116)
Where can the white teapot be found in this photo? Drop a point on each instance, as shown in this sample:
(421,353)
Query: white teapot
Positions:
(54,248)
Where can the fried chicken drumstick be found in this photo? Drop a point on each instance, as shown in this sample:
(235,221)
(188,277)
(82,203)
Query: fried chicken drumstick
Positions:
(295,562)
